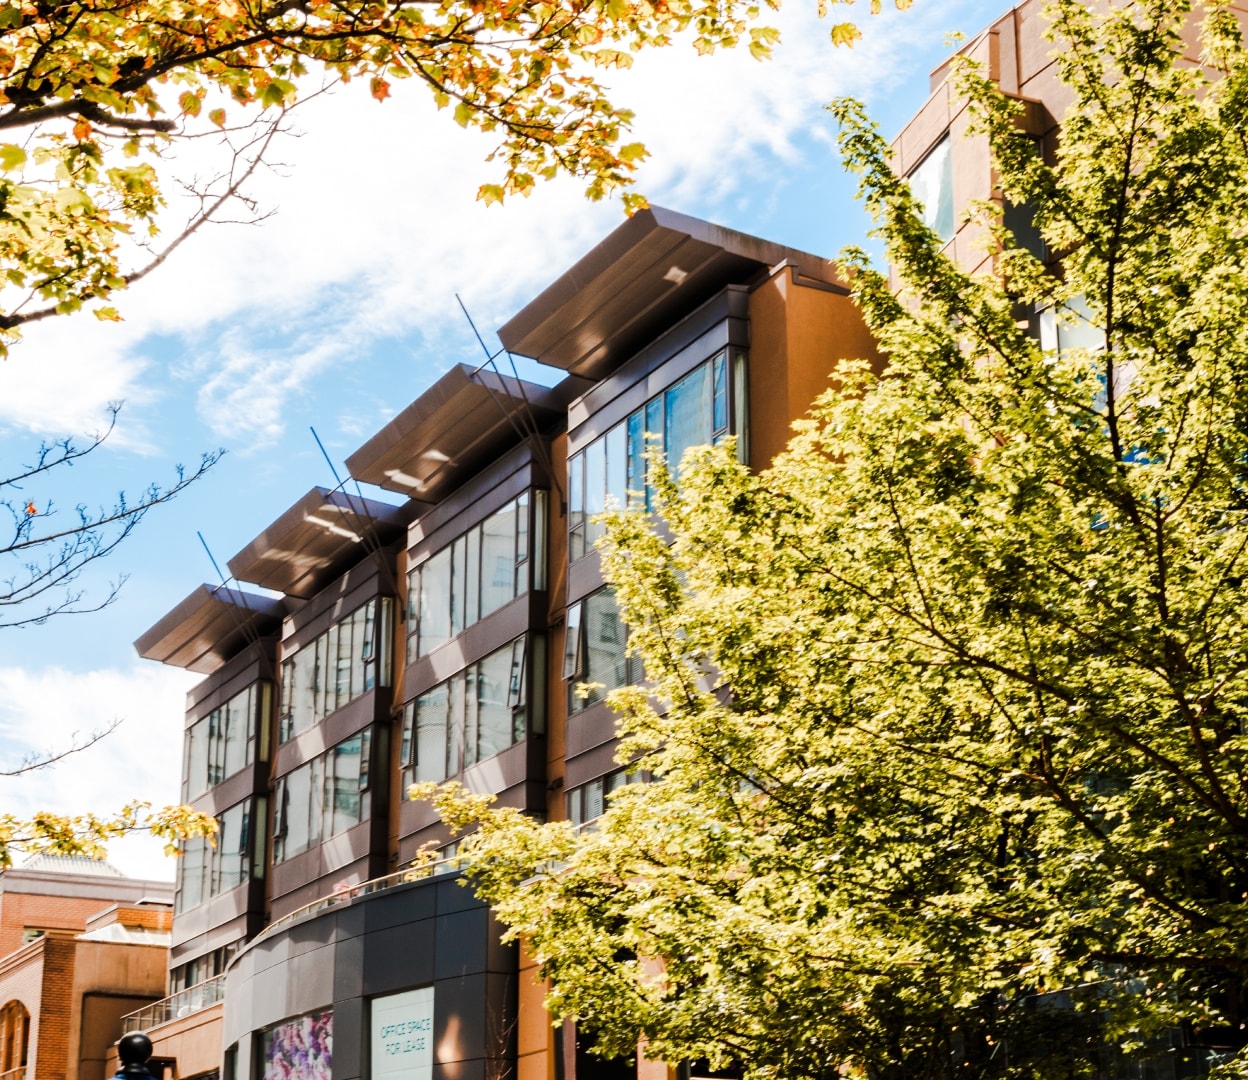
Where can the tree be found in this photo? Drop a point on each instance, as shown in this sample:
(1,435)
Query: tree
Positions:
(45,555)
(946,708)
(93,92)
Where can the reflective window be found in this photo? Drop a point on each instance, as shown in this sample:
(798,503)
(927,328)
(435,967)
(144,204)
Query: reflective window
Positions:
(931,182)
(349,659)
(202,968)
(224,741)
(477,713)
(594,660)
(323,798)
(588,801)
(610,473)
(481,571)
(206,870)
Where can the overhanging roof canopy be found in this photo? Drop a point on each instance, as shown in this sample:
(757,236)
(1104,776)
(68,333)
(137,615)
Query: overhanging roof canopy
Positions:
(210,626)
(316,539)
(462,421)
(647,275)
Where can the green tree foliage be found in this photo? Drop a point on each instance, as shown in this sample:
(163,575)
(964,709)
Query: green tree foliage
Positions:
(93,93)
(947,707)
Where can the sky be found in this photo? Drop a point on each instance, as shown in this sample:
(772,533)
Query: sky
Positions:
(338,309)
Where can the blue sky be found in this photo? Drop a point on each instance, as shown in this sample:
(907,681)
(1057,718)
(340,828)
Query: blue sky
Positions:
(340,307)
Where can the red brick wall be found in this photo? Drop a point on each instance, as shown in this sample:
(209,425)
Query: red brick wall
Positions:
(55,1008)
(20,910)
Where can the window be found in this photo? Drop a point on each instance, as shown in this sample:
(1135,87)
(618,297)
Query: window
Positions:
(205,871)
(14,1037)
(349,659)
(475,714)
(481,571)
(610,473)
(594,660)
(1073,327)
(588,801)
(225,740)
(202,968)
(326,796)
(931,183)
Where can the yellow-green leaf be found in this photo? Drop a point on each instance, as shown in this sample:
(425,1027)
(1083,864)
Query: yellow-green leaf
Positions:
(845,33)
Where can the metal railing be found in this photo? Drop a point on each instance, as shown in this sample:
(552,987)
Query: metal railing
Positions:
(201,995)
(344,894)
(183,1003)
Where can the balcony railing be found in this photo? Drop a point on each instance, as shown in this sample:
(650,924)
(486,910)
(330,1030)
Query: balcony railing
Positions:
(209,992)
(183,1003)
(345,893)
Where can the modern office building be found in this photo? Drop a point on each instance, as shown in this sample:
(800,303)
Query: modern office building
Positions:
(435,631)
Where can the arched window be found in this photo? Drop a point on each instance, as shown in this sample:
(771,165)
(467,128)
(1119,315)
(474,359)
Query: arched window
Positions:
(14,1038)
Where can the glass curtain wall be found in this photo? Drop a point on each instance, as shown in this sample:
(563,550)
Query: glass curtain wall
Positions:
(324,797)
(610,473)
(225,740)
(481,571)
(349,659)
(477,713)
(594,657)
(206,870)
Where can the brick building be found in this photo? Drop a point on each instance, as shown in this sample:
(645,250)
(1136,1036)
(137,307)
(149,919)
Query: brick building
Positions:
(82,945)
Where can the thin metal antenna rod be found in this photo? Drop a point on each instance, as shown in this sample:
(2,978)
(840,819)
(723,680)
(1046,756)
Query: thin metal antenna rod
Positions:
(363,523)
(481,341)
(250,634)
(529,428)
(325,455)
(208,551)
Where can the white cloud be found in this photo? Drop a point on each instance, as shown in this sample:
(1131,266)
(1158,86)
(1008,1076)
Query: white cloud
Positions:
(377,226)
(46,710)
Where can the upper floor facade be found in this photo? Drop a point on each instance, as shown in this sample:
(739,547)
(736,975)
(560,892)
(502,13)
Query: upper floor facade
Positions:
(438,628)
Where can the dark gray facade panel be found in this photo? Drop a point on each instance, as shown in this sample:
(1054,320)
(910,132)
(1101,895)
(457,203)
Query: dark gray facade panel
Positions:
(350,1039)
(588,729)
(398,958)
(432,932)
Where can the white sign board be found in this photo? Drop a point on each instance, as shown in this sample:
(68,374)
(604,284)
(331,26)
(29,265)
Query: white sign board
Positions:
(402,1036)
